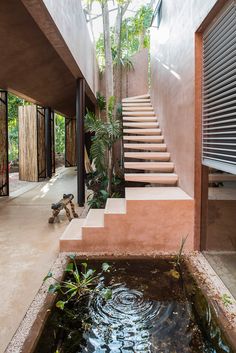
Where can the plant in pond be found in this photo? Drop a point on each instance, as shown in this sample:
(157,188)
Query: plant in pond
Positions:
(226,299)
(105,135)
(80,283)
(175,272)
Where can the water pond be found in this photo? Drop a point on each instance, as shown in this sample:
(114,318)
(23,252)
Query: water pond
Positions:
(152,309)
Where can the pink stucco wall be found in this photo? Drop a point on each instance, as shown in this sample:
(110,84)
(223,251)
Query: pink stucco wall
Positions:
(173,80)
(135,81)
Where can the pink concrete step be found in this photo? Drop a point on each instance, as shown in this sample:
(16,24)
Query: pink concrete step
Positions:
(143,96)
(142,125)
(95,218)
(140,113)
(146,138)
(155,178)
(138,101)
(115,206)
(146,146)
(140,118)
(142,131)
(162,167)
(156,156)
(137,108)
(138,104)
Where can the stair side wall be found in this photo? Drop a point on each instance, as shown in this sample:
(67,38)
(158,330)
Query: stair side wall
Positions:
(148,226)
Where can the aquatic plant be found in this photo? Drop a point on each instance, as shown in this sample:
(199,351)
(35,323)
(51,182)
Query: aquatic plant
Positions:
(79,283)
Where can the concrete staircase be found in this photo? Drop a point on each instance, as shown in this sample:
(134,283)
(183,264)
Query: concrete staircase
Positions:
(144,143)
(148,219)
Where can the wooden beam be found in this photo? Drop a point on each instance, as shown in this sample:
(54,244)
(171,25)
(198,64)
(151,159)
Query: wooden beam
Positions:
(48,141)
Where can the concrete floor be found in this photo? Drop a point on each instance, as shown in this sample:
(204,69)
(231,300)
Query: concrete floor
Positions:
(28,246)
(224,264)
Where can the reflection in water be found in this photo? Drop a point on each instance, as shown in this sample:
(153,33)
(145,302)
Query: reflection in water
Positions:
(131,323)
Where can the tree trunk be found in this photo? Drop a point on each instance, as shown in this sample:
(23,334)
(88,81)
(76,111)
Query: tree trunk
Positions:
(110,171)
(108,52)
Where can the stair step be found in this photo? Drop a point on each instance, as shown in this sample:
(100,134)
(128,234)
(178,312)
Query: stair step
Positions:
(146,138)
(137,108)
(140,118)
(73,230)
(95,218)
(115,206)
(142,131)
(144,125)
(137,104)
(155,178)
(146,146)
(135,101)
(138,113)
(156,156)
(163,167)
(143,96)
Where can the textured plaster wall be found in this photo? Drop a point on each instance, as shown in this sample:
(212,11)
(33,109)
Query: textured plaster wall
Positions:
(173,80)
(135,81)
(69,17)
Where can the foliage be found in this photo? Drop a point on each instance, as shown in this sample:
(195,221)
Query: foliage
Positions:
(59,133)
(134,35)
(13,103)
(98,184)
(106,133)
(81,283)
(226,299)
(101,101)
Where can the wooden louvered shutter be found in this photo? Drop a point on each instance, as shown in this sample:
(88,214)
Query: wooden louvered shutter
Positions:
(219,92)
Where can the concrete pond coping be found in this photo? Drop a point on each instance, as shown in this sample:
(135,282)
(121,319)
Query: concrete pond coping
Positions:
(31,327)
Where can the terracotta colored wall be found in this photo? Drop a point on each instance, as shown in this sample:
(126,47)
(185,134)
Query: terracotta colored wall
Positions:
(135,82)
(70,20)
(173,81)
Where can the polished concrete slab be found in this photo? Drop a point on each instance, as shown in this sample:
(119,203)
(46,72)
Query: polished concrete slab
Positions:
(28,246)
(224,264)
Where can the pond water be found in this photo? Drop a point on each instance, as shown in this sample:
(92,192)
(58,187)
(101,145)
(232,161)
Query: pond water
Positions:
(151,310)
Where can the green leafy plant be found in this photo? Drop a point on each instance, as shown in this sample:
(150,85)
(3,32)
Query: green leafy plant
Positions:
(226,299)
(79,284)
(105,135)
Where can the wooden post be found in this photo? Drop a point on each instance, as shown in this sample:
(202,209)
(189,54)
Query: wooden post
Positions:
(48,141)
(4,173)
(80,113)
(70,142)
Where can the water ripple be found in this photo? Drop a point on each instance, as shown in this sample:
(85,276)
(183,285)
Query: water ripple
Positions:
(131,323)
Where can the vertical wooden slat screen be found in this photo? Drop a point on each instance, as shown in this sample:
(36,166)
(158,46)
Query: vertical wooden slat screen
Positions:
(70,142)
(41,143)
(219,92)
(28,148)
(4,175)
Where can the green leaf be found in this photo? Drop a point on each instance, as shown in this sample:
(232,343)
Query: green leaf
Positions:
(60,304)
(106,293)
(85,265)
(89,273)
(72,256)
(53,288)
(105,267)
(104,193)
(69,267)
(49,275)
